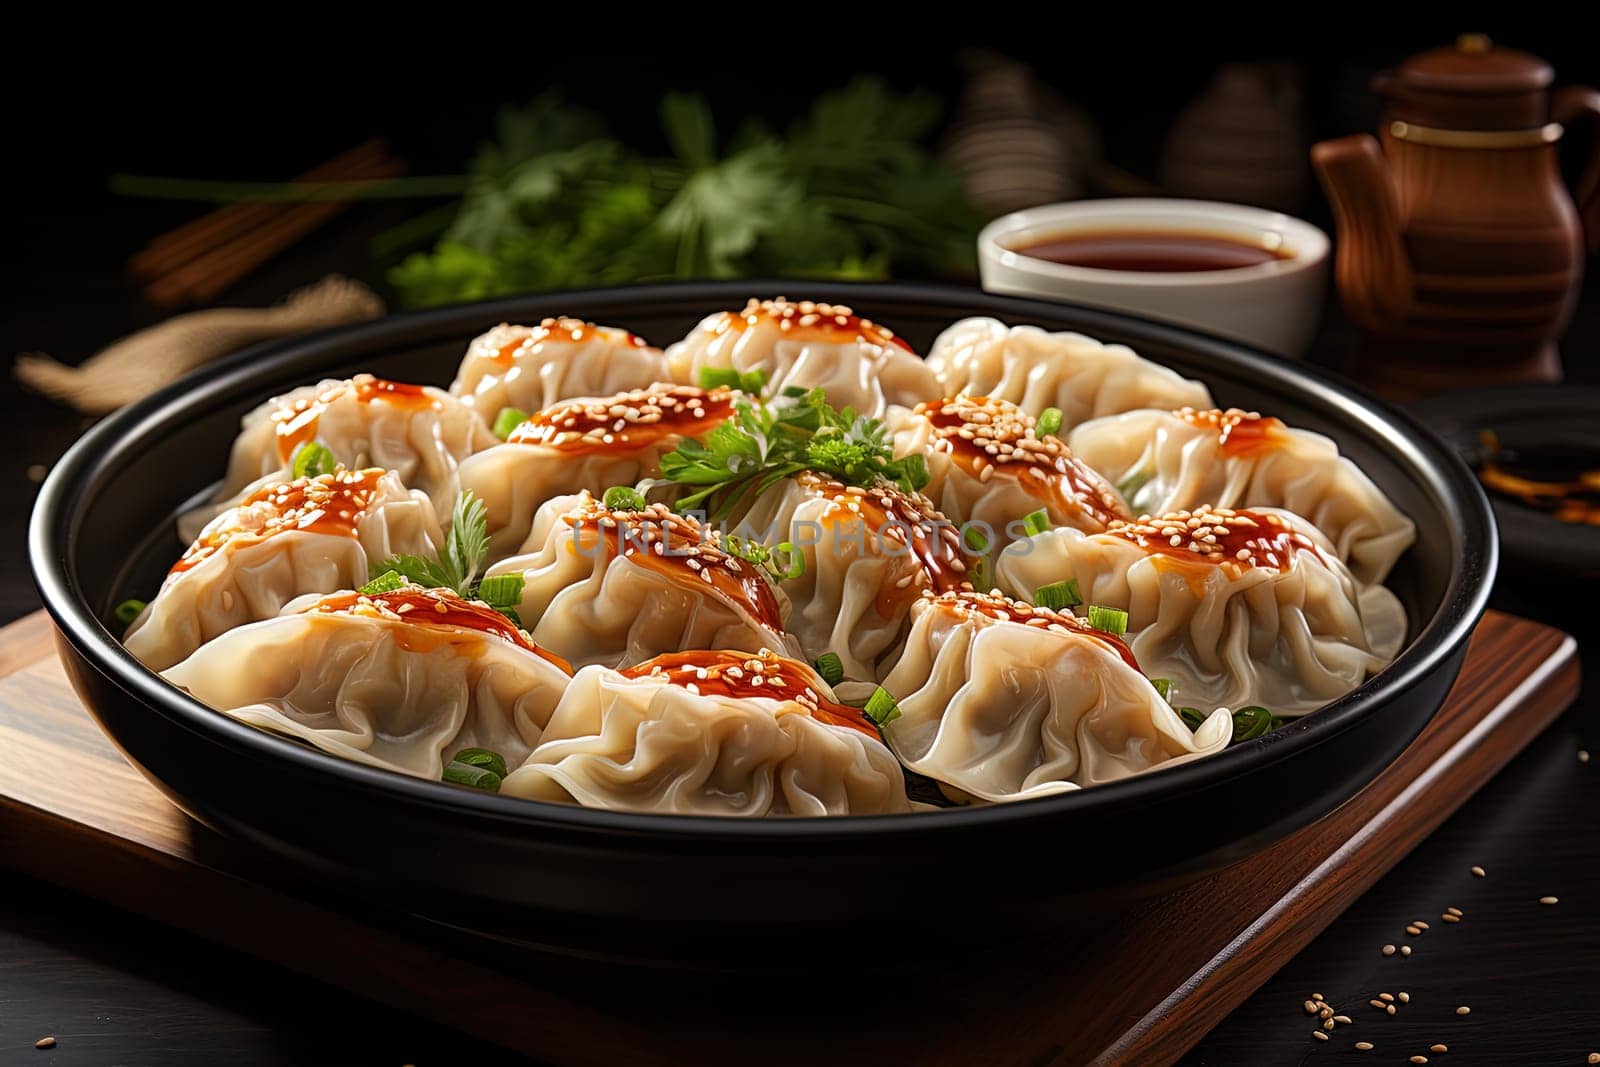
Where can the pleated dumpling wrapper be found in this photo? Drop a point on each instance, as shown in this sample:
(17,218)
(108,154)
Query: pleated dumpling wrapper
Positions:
(1002,701)
(711,733)
(419,432)
(855,362)
(589,443)
(530,368)
(1235,608)
(401,679)
(1168,461)
(867,554)
(283,540)
(1035,370)
(989,467)
(618,586)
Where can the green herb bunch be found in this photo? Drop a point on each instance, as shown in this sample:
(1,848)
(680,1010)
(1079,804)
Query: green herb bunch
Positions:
(458,567)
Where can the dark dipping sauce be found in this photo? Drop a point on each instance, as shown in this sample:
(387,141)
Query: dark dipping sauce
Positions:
(1151,251)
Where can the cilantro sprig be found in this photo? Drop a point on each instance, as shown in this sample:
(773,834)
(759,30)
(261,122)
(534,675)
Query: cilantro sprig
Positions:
(763,443)
(459,567)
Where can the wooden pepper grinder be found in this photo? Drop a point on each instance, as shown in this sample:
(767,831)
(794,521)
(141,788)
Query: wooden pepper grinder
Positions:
(1460,250)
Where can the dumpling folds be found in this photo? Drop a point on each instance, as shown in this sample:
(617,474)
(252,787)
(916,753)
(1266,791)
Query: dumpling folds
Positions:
(591,443)
(1036,370)
(854,361)
(286,539)
(419,432)
(532,367)
(711,733)
(1178,460)
(1247,607)
(869,554)
(988,469)
(620,587)
(1005,702)
(388,680)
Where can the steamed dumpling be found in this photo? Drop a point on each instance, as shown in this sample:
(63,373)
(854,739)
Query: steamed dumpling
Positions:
(532,367)
(618,587)
(854,361)
(589,443)
(313,535)
(1234,607)
(1037,370)
(419,432)
(402,679)
(989,469)
(869,553)
(711,733)
(1168,461)
(1004,702)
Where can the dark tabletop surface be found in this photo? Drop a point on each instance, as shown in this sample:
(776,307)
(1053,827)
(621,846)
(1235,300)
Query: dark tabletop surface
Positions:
(115,989)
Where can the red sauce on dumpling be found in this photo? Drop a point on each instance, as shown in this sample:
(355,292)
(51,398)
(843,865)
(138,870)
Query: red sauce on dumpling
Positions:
(436,609)
(627,421)
(1239,433)
(576,331)
(1005,609)
(988,437)
(1218,537)
(806,320)
(296,421)
(330,504)
(745,675)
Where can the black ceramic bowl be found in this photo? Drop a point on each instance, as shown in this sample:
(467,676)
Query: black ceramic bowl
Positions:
(607,880)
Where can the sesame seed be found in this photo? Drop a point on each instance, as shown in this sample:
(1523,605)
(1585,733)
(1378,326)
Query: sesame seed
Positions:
(1386,997)
(1583,757)
(1448,918)
(1319,1035)
(1420,924)
(1419,1059)
(1594,1057)
(1549,900)
(1453,911)
(45,1042)
(1478,872)
(1389,1008)
(1405,950)
(1388,950)
(1380,1005)
(1316,996)
(1344,1019)
(1405,998)
(1328,1025)
(1463,1010)
(1364,1046)
(1311,1007)
(1441,1047)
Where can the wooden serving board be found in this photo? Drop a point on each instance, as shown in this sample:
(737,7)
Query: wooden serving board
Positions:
(1142,990)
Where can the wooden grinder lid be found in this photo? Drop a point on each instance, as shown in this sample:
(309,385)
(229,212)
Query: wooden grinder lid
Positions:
(1472,85)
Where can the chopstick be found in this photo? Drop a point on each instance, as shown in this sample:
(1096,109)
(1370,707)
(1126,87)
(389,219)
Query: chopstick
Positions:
(199,260)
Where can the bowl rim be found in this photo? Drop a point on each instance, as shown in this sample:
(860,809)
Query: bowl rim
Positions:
(1176,214)
(80,472)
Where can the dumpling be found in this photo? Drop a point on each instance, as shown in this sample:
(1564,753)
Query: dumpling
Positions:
(1234,607)
(402,679)
(869,553)
(419,432)
(532,367)
(1168,461)
(711,733)
(854,361)
(589,443)
(313,535)
(1002,702)
(1037,370)
(988,469)
(619,587)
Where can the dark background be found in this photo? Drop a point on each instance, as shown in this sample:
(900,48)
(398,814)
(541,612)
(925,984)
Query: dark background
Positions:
(240,101)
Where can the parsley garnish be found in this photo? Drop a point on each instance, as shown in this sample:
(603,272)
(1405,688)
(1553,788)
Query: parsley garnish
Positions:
(761,444)
(458,567)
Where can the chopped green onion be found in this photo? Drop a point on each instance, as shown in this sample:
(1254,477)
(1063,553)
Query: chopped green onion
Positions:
(1132,484)
(1252,722)
(746,382)
(624,498)
(1113,621)
(1049,422)
(127,611)
(501,591)
(1163,686)
(1192,717)
(1036,522)
(508,420)
(797,563)
(482,757)
(882,708)
(387,582)
(313,460)
(975,539)
(753,382)
(1058,595)
(794,392)
(474,777)
(830,667)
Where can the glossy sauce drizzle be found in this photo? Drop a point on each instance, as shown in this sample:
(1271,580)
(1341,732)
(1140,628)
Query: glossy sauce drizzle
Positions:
(988,437)
(806,320)
(506,342)
(627,421)
(331,504)
(436,610)
(1219,537)
(296,421)
(1239,433)
(1004,609)
(743,676)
